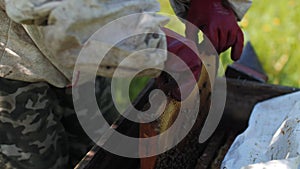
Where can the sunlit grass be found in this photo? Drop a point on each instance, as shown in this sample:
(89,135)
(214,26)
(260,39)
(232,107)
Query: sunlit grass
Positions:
(274,32)
(273,29)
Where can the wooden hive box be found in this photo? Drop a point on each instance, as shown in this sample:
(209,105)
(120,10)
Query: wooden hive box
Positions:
(241,97)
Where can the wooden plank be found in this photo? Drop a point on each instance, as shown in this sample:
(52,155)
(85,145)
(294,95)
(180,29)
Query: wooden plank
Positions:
(210,151)
(217,161)
(98,158)
(241,97)
(219,143)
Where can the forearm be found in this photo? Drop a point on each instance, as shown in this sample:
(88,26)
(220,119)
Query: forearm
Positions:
(61,28)
(240,7)
(2,4)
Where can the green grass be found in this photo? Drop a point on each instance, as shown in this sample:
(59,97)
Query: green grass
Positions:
(273,29)
(274,32)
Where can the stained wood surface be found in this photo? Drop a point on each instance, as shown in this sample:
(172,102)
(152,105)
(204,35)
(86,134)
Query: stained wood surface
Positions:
(241,98)
(242,95)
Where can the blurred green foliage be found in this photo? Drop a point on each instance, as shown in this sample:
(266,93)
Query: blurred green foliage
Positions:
(273,28)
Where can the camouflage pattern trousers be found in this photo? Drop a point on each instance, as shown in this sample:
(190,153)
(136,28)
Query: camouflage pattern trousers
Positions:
(39,128)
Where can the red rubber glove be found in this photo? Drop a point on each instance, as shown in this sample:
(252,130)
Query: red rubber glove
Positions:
(218,23)
(184,51)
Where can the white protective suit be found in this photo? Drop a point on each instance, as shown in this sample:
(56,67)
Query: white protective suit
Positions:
(40,39)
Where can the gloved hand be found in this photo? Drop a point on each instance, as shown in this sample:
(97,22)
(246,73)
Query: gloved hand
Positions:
(186,52)
(218,22)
